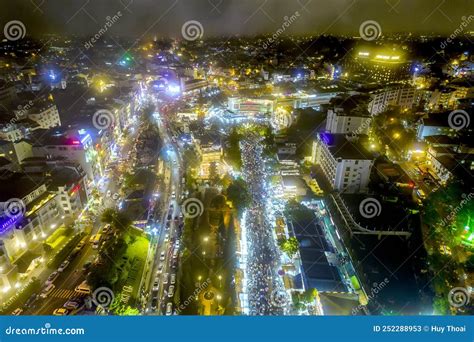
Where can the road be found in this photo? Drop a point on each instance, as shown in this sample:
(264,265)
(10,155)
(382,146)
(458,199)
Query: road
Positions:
(167,225)
(265,289)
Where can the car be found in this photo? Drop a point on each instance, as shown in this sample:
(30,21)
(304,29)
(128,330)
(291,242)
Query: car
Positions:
(162,256)
(167,237)
(47,290)
(160,269)
(63,266)
(17,312)
(165,278)
(171,291)
(109,193)
(168,217)
(83,288)
(154,304)
(154,295)
(52,277)
(173,278)
(72,304)
(60,312)
(156,284)
(169,309)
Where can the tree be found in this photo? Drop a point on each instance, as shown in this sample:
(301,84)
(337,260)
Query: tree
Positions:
(238,194)
(118,220)
(289,246)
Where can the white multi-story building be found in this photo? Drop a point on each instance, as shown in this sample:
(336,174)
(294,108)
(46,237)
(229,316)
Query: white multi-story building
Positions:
(344,162)
(403,97)
(44,113)
(340,122)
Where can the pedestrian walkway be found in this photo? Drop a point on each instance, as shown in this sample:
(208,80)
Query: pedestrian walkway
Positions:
(64,293)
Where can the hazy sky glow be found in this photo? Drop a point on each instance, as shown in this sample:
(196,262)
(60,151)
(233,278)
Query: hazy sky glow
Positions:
(246,17)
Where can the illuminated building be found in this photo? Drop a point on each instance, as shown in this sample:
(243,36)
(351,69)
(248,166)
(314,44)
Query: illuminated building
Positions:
(24,230)
(250,106)
(402,97)
(339,122)
(377,65)
(44,113)
(344,162)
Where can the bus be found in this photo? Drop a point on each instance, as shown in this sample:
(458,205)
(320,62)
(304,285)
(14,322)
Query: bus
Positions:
(96,240)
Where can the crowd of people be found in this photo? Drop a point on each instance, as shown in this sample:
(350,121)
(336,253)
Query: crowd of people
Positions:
(263,253)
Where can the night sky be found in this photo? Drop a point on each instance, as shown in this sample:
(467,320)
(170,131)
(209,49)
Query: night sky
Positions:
(143,18)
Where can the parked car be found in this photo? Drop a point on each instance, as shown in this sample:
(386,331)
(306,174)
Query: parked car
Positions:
(17,312)
(52,277)
(47,290)
(61,312)
(63,266)
(171,291)
(169,309)
(173,278)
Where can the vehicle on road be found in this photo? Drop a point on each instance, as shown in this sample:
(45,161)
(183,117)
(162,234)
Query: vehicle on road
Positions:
(156,284)
(154,304)
(72,304)
(96,240)
(173,278)
(17,312)
(52,277)
(171,291)
(63,266)
(162,256)
(60,312)
(160,269)
(165,278)
(169,309)
(83,288)
(47,290)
